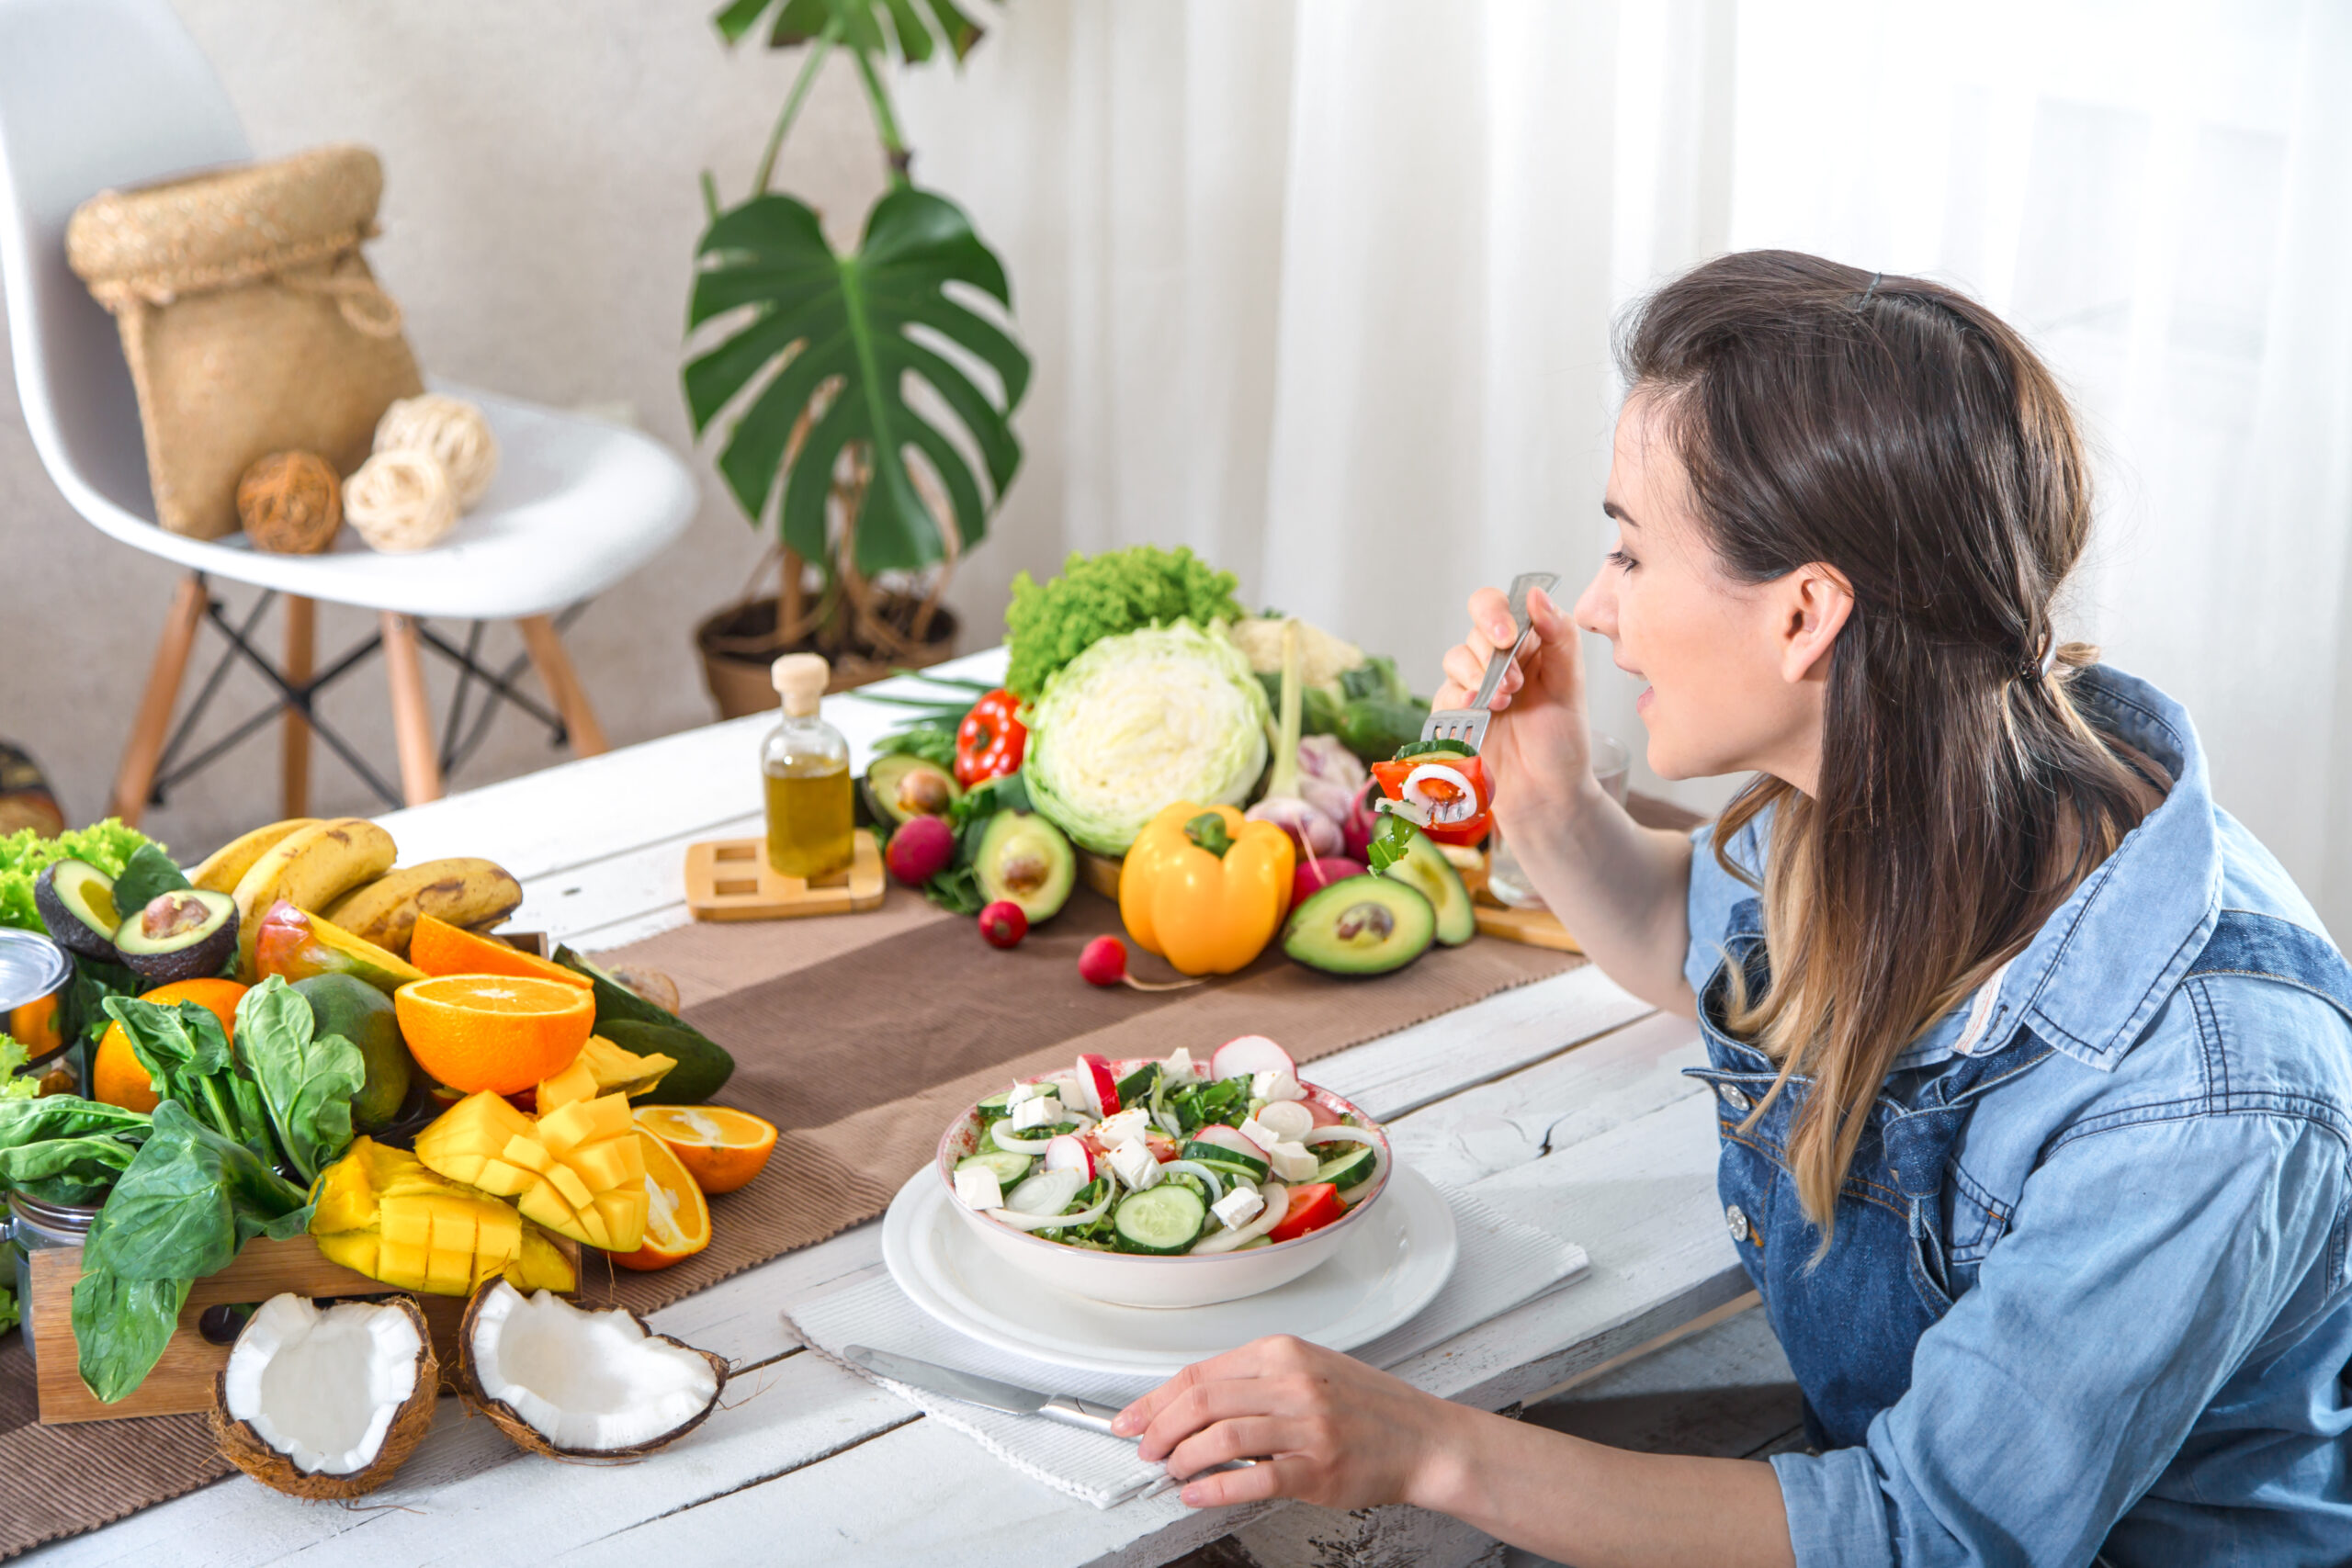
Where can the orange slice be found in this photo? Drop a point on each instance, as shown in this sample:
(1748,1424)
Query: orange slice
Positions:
(500,1033)
(116,1077)
(678,1221)
(440,948)
(723,1148)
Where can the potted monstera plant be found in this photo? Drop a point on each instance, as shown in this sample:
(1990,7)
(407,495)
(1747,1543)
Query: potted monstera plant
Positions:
(863,400)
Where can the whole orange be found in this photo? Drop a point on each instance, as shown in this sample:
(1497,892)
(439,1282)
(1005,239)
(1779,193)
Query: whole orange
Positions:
(500,1033)
(440,948)
(116,1077)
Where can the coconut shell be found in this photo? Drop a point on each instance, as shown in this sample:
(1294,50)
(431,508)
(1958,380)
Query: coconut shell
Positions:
(528,1437)
(243,1448)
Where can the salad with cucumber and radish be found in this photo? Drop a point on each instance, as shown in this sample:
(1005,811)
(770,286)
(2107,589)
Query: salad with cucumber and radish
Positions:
(1167,1158)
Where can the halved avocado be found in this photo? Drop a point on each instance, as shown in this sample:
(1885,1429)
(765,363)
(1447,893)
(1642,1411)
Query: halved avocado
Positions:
(1423,867)
(184,935)
(1361,925)
(76,903)
(1024,858)
(897,787)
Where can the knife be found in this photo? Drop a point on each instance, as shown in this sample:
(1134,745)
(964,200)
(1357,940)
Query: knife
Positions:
(991,1395)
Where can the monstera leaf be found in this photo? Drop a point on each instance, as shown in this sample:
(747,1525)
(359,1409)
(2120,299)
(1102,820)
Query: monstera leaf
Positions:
(841,337)
(858,24)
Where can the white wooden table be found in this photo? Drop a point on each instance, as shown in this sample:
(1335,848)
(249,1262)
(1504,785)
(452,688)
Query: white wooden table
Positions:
(1562,1100)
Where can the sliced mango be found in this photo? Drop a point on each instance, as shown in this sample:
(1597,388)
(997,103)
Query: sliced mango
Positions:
(574,1083)
(383,1212)
(617,1071)
(560,1169)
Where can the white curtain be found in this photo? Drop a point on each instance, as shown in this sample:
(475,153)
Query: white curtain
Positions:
(1323,289)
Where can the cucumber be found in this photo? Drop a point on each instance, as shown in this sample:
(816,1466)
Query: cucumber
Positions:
(1162,1219)
(1219,1158)
(1009,1166)
(1346,1170)
(994,1105)
(1136,1087)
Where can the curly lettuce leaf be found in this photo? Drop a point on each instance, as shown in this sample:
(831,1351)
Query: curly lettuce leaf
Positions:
(1097,596)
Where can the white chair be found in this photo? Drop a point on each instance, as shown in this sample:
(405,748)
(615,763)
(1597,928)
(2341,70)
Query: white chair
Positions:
(97,94)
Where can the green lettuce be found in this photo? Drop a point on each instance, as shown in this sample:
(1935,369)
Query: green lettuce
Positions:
(1141,720)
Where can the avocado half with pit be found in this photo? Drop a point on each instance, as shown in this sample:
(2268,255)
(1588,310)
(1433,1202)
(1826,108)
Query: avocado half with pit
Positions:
(897,787)
(75,901)
(1361,925)
(184,935)
(1023,857)
(1424,868)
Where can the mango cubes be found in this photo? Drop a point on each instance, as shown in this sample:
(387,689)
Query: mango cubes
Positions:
(380,1212)
(578,1169)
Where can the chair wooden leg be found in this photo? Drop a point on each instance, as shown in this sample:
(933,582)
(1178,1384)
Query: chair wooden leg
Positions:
(411,715)
(294,760)
(136,776)
(571,698)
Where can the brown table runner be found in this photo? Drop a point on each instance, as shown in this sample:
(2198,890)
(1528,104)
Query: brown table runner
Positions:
(859,1036)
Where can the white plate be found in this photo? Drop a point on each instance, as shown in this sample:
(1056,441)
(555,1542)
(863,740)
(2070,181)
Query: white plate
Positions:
(1398,1258)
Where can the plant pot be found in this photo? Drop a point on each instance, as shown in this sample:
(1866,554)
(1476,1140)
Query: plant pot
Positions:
(737,677)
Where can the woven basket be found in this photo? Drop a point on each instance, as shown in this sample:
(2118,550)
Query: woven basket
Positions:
(249,320)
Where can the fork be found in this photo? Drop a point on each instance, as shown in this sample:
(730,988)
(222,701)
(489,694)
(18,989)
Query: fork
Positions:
(1468,725)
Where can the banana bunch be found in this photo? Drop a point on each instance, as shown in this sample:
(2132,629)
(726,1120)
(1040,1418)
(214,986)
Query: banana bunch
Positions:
(341,870)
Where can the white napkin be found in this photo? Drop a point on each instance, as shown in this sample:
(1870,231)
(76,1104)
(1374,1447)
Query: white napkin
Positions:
(1501,1263)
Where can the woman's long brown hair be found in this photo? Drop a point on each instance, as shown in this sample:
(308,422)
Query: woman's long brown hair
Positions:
(1900,433)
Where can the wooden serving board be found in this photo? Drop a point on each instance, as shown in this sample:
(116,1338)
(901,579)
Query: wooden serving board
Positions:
(1536,928)
(729,879)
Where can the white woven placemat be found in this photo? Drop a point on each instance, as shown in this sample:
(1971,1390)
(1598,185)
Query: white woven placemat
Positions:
(1501,1263)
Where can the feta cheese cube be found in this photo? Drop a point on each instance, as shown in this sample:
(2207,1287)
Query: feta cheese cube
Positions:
(1293,1162)
(977,1189)
(1178,1064)
(1027,1091)
(1117,1130)
(1257,1133)
(1273,1084)
(1135,1164)
(1238,1208)
(1032,1114)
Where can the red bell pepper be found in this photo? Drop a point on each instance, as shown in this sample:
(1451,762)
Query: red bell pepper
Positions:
(1451,779)
(990,740)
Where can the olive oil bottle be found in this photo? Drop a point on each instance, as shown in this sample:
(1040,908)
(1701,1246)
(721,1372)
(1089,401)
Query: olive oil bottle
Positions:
(805,763)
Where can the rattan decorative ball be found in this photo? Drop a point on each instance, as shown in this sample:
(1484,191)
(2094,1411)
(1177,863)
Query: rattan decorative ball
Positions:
(452,430)
(290,503)
(400,501)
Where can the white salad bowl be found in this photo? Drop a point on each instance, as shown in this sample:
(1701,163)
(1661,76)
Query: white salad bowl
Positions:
(1126,1279)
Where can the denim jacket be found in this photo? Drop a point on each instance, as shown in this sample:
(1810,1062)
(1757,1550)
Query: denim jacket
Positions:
(2138,1245)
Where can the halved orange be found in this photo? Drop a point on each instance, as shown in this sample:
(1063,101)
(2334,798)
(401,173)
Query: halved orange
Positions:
(440,948)
(116,1077)
(678,1221)
(722,1147)
(500,1033)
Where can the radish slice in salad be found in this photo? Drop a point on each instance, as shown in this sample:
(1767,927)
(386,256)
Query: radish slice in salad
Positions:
(1251,1055)
(1098,1084)
(1226,1137)
(1070,1152)
(1277,1197)
(1287,1119)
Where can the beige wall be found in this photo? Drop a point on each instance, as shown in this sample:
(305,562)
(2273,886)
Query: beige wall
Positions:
(539,217)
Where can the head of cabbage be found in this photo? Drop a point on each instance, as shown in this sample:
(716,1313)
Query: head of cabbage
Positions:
(1138,721)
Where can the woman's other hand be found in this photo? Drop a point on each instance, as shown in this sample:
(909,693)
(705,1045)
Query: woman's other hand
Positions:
(1538,745)
(1324,1428)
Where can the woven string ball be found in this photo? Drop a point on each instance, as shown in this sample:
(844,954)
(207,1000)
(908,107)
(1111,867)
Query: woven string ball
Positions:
(452,430)
(290,503)
(400,501)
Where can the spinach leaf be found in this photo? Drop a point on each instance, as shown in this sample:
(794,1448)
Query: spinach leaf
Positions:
(147,873)
(188,1200)
(187,1054)
(81,1013)
(121,1328)
(65,1149)
(305,1080)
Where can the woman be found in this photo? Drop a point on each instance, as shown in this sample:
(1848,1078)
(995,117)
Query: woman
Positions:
(2033,1070)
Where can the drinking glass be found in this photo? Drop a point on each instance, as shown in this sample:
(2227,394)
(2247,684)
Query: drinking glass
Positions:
(1506,879)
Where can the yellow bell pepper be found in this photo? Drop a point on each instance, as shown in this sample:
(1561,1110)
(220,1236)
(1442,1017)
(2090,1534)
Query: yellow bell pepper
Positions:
(1205,888)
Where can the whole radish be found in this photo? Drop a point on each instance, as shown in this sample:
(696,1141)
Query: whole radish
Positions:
(1314,876)
(920,850)
(1003,924)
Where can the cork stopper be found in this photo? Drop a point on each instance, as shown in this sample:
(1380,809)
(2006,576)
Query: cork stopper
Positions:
(801,678)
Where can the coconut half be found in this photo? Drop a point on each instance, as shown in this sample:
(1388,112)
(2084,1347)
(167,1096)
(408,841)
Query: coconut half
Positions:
(326,1403)
(581,1384)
